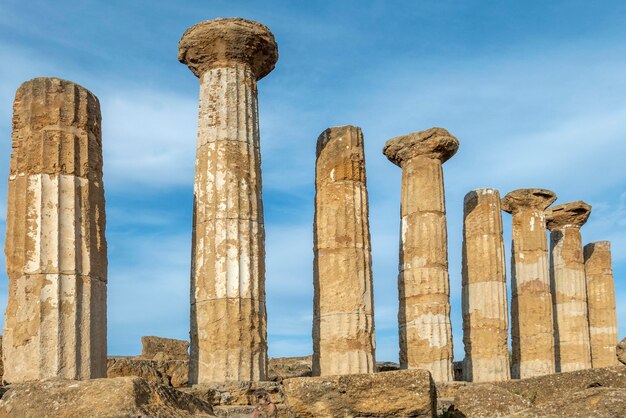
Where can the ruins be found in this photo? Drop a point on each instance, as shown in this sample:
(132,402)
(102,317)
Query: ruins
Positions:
(423,280)
(343,317)
(601,304)
(56,251)
(485,305)
(228,315)
(569,290)
(532,329)
(563,308)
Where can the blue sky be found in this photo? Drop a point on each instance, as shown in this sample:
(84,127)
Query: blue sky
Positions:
(534,90)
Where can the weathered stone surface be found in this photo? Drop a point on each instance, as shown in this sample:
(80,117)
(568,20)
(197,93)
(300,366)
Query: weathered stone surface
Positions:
(486,400)
(594,402)
(601,304)
(532,327)
(287,367)
(221,43)
(541,396)
(228,315)
(108,398)
(56,253)
(404,393)
(235,393)
(173,373)
(343,304)
(569,289)
(423,280)
(158,348)
(621,351)
(485,307)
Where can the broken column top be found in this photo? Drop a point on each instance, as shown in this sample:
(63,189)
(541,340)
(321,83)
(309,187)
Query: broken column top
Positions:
(598,245)
(222,42)
(473,195)
(436,143)
(568,214)
(533,198)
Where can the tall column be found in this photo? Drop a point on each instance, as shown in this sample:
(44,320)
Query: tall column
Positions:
(569,289)
(343,317)
(485,306)
(601,304)
(532,329)
(228,316)
(423,280)
(56,252)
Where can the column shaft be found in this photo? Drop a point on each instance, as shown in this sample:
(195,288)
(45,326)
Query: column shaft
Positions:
(228,316)
(532,331)
(55,246)
(423,281)
(601,304)
(569,293)
(343,319)
(485,306)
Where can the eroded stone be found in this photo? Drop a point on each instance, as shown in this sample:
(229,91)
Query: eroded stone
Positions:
(532,328)
(423,280)
(569,289)
(485,307)
(55,248)
(343,319)
(601,304)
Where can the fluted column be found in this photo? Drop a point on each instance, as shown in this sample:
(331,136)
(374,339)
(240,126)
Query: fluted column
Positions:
(569,289)
(228,315)
(601,304)
(423,280)
(343,317)
(56,253)
(532,329)
(485,306)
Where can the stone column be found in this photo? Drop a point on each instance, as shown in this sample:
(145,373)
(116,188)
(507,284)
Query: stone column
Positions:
(601,304)
(56,252)
(228,316)
(569,289)
(343,317)
(423,280)
(485,306)
(532,329)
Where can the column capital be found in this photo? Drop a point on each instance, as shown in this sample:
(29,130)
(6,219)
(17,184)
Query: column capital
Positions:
(530,198)
(435,143)
(227,41)
(573,214)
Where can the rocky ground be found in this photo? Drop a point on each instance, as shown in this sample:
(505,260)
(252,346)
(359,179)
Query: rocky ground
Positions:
(154,384)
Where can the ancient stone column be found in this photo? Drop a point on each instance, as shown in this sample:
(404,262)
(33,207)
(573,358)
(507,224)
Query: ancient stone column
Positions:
(485,306)
(601,304)
(343,317)
(532,329)
(569,289)
(228,316)
(423,280)
(56,252)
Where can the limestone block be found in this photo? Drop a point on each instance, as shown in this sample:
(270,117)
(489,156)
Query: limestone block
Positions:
(423,279)
(343,318)
(158,348)
(118,397)
(601,304)
(228,245)
(403,393)
(485,307)
(532,328)
(55,247)
(569,289)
